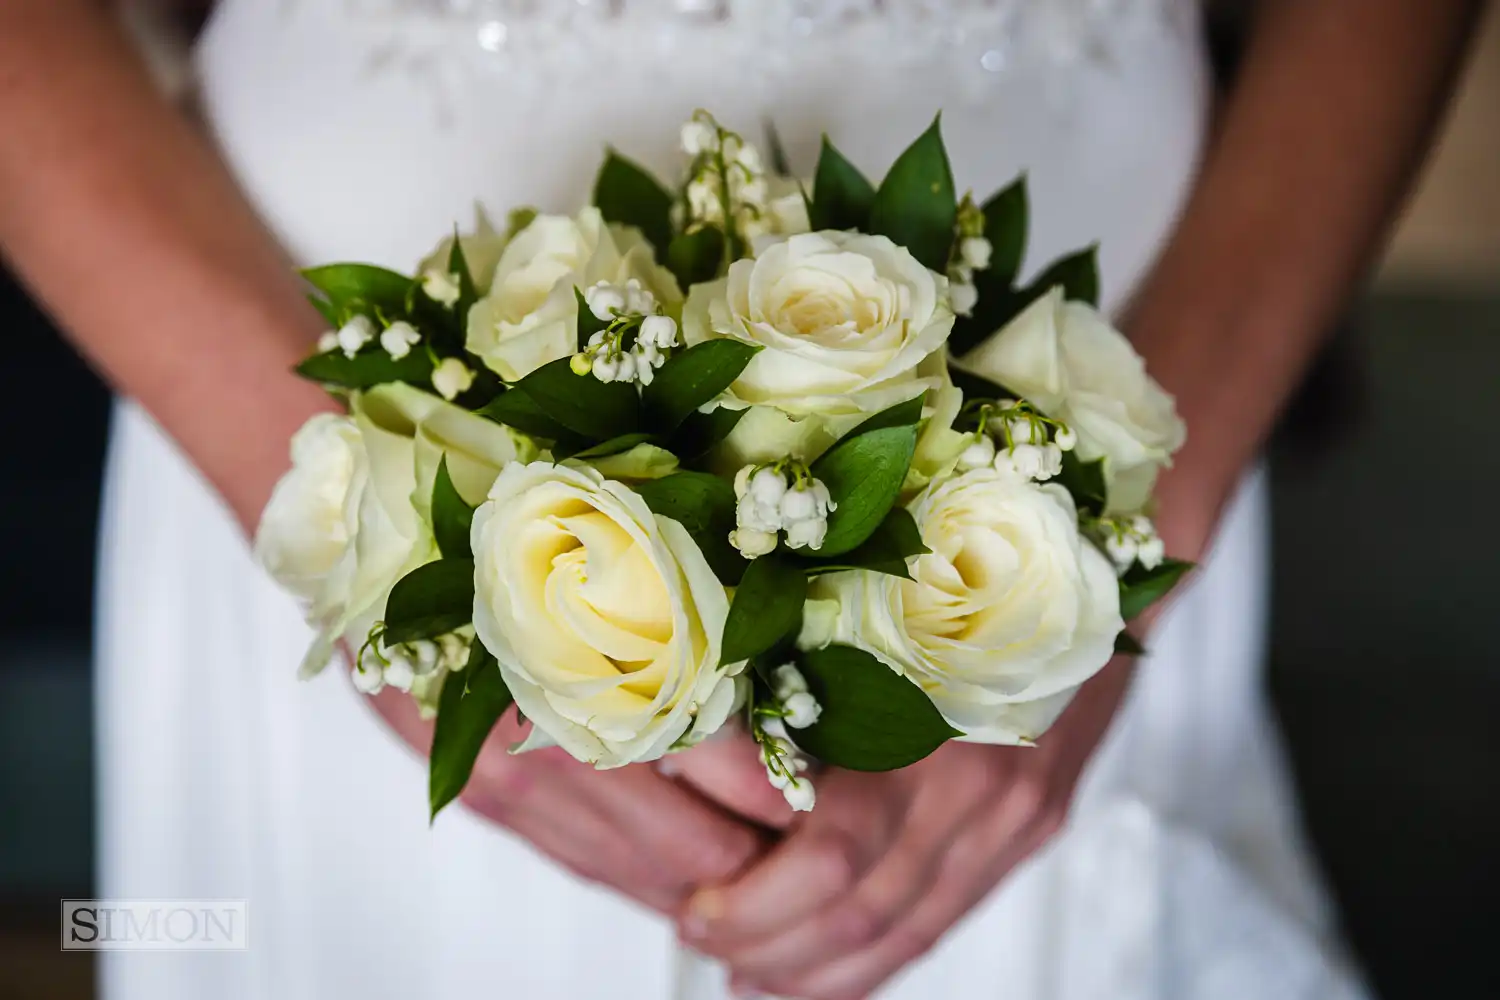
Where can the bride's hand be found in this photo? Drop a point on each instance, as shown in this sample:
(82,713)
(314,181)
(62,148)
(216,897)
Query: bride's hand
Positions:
(886,863)
(629,828)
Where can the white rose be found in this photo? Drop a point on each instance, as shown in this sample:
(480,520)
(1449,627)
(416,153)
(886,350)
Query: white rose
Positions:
(1007,615)
(844,319)
(606,619)
(1067,360)
(530,315)
(349,518)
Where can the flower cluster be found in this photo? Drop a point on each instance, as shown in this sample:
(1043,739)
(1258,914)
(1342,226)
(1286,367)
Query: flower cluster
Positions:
(781,496)
(678,460)
(636,341)
(971,252)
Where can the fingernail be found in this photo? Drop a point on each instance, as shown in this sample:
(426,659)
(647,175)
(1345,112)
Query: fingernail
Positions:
(706,906)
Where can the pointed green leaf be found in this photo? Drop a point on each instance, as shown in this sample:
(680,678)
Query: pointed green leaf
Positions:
(864,475)
(767,607)
(906,413)
(887,550)
(430,601)
(916,206)
(841,196)
(516,409)
(459,264)
(1077,273)
(776,151)
(695,257)
(873,719)
(1127,645)
(691,378)
(628,195)
(1085,481)
(1140,587)
(451,516)
(1006,219)
(613,446)
(361,288)
(705,506)
(702,431)
(471,704)
(584,405)
(366,369)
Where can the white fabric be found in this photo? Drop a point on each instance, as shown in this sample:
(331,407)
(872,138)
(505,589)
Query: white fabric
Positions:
(1180,874)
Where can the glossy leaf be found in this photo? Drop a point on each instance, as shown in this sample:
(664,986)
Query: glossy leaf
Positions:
(915,205)
(1140,587)
(691,378)
(430,600)
(841,196)
(471,704)
(873,719)
(705,505)
(766,609)
(628,195)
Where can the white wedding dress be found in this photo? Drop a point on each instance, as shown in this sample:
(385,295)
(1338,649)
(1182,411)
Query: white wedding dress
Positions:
(363,129)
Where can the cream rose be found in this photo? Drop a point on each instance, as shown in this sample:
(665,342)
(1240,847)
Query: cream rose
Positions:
(1007,615)
(349,518)
(1067,360)
(530,315)
(844,319)
(606,619)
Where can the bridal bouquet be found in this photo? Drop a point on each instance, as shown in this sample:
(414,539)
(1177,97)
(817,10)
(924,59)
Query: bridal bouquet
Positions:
(809,456)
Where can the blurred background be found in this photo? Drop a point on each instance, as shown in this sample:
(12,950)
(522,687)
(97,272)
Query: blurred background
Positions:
(1384,668)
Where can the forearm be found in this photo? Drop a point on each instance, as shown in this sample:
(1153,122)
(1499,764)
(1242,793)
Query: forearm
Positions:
(125,224)
(1316,146)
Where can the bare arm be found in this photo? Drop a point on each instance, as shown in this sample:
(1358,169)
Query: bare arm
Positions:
(130,230)
(122,219)
(1331,117)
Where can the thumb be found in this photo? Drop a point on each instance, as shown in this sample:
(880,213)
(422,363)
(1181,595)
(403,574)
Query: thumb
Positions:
(727,770)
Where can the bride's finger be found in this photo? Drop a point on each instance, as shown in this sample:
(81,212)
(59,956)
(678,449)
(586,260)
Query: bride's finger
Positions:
(983,855)
(671,824)
(727,770)
(903,875)
(825,856)
(538,802)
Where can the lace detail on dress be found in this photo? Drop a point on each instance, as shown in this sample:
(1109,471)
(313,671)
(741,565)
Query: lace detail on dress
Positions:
(757,38)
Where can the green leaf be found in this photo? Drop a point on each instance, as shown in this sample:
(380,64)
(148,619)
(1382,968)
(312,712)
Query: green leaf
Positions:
(1085,481)
(584,405)
(1128,645)
(767,607)
(628,195)
(327,310)
(613,446)
(776,151)
(588,323)
(459,264)
(691,378)
(469,707)
(366,369)
(1077,273)
(896,540)
(701,431)
(916,206)
(1006,219)
(695,257)
(864,473)
(841,195)
(1140,587)
(430,601)
(516,409)
(451,516)
(361,288)
(704,505)
(873,718)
